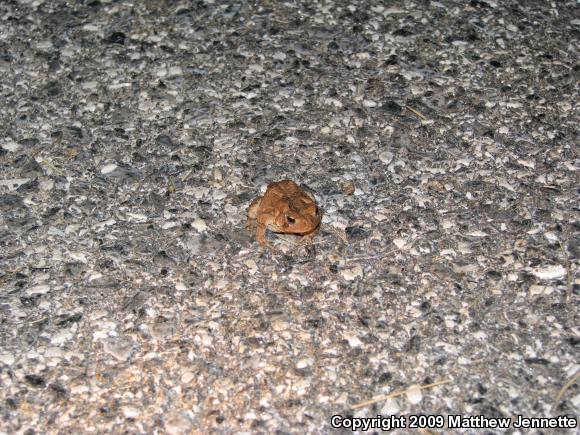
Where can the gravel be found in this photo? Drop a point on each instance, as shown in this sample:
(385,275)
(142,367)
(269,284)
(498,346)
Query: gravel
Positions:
(440,139)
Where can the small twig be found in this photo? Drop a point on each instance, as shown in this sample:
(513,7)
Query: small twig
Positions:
(170,187)
(186,175)
(392,251)
(54,168)
(569,284)
(340,236)
(416,112)
(564,388)
(397,393)
(361,257)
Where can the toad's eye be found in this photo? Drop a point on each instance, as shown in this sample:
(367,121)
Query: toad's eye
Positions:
(290,220)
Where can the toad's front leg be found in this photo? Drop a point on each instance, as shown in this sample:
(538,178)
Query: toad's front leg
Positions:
(261,235)
(307,238)
(265,221)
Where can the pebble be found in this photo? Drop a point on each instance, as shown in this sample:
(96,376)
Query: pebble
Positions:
(7,358)
(390,407)
(251,265)
(304,362)
(62,336)
(139,132)
(10,146)
(130,411)
(353,340)
(352,273)
(549,272)
(120,348)
(108,168)
(414,394)
(401,243)
(37,290)
(177,423)
(200,225)
(386,157)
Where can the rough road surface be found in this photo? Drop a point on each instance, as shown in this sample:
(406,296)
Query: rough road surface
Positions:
(133,137)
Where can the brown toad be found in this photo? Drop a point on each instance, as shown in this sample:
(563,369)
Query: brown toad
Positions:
(284,208)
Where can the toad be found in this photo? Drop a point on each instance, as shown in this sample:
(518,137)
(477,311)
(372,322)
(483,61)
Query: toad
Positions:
(284,208)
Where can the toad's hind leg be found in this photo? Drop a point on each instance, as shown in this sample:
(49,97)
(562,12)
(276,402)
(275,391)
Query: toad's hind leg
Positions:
(253,213)
(250,223)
